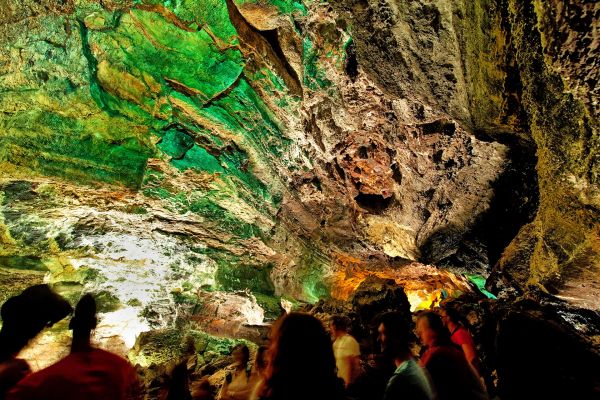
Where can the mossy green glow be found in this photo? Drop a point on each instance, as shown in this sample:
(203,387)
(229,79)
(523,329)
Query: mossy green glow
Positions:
(210,15)
(479,281)
(164,80)
(166,345)
(284,6)
(565,230)
(167,53)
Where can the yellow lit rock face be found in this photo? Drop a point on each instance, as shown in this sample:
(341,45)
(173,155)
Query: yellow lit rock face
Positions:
(395,240)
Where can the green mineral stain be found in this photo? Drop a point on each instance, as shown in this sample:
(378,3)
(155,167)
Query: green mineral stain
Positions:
(209,15)
(314,76)
(236,272)
(27,263)
(79,153)
(198,158)
(176,144)
(287,7)
(479,281)
(187,62)
(270,304)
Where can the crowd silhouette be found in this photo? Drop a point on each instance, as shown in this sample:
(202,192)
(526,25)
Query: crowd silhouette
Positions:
(302,360)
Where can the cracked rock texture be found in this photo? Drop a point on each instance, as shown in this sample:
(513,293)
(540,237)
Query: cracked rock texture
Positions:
(183,148)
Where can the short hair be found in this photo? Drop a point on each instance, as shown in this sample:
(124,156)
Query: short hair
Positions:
(300,352)
(27,314)
(435,323)
(341,323)
(260,360)
(453,314)
(398,327)
(244,349)
(84,319)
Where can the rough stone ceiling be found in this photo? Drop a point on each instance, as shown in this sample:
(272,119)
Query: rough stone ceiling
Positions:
(231,145)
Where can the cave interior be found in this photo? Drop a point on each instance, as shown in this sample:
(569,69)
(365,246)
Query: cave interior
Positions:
(201,166)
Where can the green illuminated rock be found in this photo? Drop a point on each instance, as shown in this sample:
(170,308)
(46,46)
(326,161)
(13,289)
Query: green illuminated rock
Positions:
(285,147)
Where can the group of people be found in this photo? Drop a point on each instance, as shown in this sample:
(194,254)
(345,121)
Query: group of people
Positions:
(303,360)
(303,363)
(86,373)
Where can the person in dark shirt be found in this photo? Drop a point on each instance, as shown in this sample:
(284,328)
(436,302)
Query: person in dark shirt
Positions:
(23,317)
(409,381)
(301,362)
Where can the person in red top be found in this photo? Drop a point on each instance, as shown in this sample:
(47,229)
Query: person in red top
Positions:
(460,336)
(450,372)
(86,373)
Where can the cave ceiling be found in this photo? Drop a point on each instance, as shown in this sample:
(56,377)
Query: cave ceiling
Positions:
(150,150)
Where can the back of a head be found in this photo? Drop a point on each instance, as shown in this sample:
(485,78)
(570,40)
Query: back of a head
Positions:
(398,327)
(179,384)
(301,353)
(454,315)
(84,319)
(244,351)
(27,314)
(341,323)
(261,360)
(436,325)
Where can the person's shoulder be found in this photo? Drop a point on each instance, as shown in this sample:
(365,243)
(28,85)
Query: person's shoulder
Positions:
(461,334)
(348,340)
(108,357)
(33,383)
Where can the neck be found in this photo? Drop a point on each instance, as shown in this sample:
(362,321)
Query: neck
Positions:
(452,326)
(81,343)
(399,359)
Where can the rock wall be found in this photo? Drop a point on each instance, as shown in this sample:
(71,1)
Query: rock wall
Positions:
(555,44)
(276,146)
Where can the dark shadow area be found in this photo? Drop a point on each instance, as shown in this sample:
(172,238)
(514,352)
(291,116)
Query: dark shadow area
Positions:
(374,203)
(515,203)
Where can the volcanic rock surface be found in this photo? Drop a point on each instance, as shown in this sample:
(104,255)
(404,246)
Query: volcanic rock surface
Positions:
(163,154)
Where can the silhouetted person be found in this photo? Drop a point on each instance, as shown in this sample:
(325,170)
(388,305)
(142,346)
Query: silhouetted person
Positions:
(259,369)
(86,373)
(345,349)
(23,317)
(179,386)
(301,362)
(452,376)
(409,381)
(237,385)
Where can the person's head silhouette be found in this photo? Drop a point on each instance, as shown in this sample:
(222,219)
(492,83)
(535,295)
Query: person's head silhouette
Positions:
(83,323)
(26,315)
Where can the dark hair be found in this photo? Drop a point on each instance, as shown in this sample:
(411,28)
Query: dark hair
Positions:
(260,360)
(179,384)
(245,351)
(398,327)
(454,315)
(27,314)
(434,321)
(84,319)
(300,353)
(341,323)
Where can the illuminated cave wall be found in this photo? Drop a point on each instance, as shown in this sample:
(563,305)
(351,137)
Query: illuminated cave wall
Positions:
(167,155)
